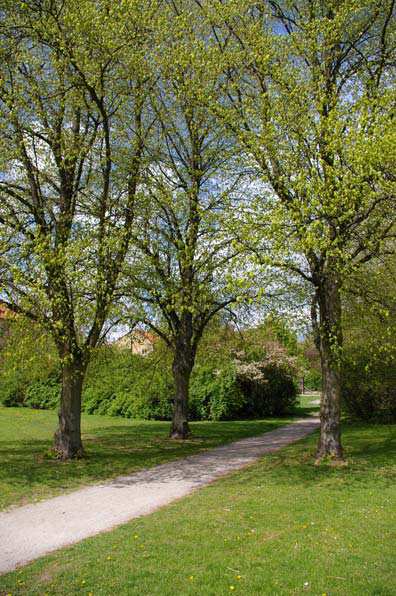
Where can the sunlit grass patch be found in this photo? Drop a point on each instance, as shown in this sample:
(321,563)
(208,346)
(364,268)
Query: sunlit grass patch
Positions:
(280,527)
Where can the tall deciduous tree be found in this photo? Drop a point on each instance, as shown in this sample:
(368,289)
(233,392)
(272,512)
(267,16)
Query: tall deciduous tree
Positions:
(187,269)
(72,132)
(309,96)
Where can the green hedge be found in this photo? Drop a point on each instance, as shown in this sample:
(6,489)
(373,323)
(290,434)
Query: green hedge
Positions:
(43,395)
(216,393)
(245,387)
(275,395)
(229,380)
(28,360)
(369,387)
(121,384)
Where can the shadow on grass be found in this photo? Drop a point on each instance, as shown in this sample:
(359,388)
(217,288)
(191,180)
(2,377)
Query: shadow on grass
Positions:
(306,405)
(369,449)
(112,450)
(305,411)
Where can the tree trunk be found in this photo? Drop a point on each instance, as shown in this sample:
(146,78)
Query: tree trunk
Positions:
(183,363)
(330,336)
(68,444)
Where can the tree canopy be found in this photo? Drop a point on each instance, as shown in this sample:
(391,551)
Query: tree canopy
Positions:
(170,159)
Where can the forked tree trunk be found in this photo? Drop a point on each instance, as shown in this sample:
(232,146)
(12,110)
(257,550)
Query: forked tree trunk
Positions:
(330,336)
(67,440)
(182,367)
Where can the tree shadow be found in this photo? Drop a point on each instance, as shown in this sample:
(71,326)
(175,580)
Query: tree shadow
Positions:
(369,449)
(27,470)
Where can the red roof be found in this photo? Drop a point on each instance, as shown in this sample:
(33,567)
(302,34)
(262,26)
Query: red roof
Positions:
(142,335)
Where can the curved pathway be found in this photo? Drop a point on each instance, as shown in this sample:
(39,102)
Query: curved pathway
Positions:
(29,532)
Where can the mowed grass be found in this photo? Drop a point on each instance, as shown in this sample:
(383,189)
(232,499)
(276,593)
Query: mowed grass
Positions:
(114,446)
(306,405)
(281,526)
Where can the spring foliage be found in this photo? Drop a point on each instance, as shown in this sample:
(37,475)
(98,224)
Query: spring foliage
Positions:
(232,379)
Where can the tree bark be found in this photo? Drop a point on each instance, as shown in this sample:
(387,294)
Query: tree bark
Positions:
(183,363)
(330,337)
(67,440)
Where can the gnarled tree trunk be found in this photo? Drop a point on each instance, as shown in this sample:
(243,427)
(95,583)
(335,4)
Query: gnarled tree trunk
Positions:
(67,440)
(330,343)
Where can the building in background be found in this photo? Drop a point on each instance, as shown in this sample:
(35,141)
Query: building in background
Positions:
(138,341)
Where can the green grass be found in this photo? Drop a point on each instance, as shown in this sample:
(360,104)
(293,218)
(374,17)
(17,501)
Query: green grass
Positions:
(281,526)
(114,446)
(305,405)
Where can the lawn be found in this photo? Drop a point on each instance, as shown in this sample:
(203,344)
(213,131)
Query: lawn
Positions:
(114,446)
(281,526)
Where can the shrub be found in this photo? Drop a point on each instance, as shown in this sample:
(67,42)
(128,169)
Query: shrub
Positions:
(369,328)
(11,394)
(252,383)
(96,401)
(43,395)
(269,385)
(369,387)
(245,388)
(27,357)
(119,383)
(215,393)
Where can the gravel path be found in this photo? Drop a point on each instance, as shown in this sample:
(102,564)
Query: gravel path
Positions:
(29,532)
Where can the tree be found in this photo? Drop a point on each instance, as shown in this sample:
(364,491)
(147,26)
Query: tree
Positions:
(369,310)
(369,323)
(186,269)
(308,95)
(72,131)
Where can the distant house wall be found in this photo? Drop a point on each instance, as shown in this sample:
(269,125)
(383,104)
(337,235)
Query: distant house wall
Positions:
(138,341)
(142,347)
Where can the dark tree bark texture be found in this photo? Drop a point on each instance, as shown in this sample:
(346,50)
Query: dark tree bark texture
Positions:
(67,440)
(183,363)
(330,338)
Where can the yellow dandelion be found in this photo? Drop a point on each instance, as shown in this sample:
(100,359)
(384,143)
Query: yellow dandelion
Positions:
(239,577)
(232,588)
(191,577)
